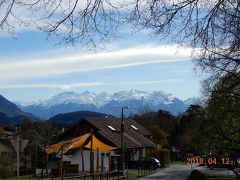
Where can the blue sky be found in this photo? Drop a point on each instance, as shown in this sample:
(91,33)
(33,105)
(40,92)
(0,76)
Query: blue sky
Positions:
(33,68)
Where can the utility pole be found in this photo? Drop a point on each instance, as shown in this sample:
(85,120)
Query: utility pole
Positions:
(122,139)
(18,155)
(91,154)
(18,145)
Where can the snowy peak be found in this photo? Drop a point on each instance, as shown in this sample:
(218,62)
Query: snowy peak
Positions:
(129,95)
(194,100)
(108,103)
(103,98)
(72,98)
(65,95)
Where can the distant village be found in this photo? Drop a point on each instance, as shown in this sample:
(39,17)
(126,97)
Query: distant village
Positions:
(88,143)
(93,145)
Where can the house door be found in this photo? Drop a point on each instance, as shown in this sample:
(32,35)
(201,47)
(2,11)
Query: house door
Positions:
(115,162)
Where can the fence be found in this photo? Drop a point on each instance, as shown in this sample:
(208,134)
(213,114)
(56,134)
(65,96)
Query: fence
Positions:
(139,170)
(144,171)
(114,175)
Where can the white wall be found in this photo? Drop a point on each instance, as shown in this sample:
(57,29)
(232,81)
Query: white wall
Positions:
(76,159)
(135,156)
(144,152)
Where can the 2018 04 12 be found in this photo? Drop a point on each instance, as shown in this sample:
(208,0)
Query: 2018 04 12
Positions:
(202,161)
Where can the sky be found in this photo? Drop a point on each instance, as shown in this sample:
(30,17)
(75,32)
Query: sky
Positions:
(34,68)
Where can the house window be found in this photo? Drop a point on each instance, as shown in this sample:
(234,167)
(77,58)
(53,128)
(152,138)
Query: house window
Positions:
(112,128)
(134,127)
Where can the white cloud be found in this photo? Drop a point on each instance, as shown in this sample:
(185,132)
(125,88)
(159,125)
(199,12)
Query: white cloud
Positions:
(40,68)
(85,84)
(153,82)
(181,71)
(61,86)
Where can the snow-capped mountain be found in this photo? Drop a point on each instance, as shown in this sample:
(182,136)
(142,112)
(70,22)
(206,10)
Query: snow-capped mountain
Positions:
(106,103)
(194,100)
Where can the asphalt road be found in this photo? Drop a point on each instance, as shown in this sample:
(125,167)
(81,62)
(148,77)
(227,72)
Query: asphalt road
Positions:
(182,171)
(215,171)
(174,172)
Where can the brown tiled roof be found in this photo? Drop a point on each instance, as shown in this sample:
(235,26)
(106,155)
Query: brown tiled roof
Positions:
(132,138)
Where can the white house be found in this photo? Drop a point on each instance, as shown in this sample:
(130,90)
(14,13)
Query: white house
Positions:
(106,144)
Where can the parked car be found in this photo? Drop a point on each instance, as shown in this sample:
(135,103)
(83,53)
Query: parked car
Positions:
(145,162)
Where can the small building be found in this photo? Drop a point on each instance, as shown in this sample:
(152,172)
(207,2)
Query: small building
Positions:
(8,155)
(6,158)
(107,131)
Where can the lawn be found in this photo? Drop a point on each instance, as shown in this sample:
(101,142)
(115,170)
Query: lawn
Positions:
(133,172)
(87,178)
(177,162)
(218,178)
(57,178)
(21,178)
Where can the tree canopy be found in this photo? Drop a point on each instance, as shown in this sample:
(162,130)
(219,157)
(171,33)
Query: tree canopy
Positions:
(216,126)
(223,112)
(212,26)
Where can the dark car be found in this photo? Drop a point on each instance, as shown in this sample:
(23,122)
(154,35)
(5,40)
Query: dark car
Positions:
(145,162)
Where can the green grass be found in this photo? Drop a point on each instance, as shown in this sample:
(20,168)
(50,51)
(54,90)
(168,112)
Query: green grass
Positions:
(134,172)
(218,178)
(26,178)
(14,178)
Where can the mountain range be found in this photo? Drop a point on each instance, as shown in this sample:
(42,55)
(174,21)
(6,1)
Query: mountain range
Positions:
(11,109)
(111,104)
(10,113)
